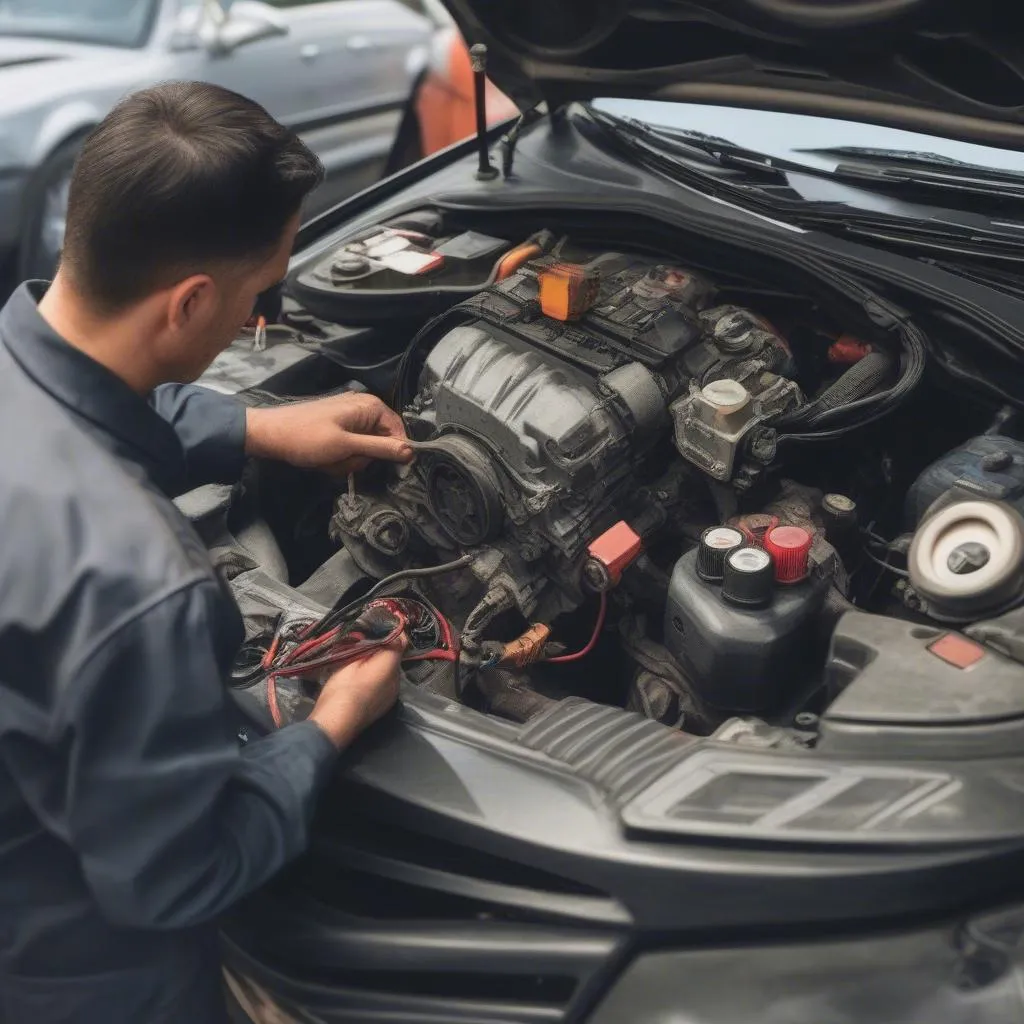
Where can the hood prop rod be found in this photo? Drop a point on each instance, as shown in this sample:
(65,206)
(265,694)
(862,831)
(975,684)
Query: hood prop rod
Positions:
(478,61)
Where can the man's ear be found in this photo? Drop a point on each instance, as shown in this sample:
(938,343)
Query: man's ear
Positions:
(191,302)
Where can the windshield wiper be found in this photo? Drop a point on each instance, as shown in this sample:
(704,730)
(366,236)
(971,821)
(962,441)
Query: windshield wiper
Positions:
(760,183)
(929,171)
(698,146)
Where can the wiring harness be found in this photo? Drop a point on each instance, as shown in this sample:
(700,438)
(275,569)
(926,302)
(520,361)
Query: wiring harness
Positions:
(313,650)
(358,629)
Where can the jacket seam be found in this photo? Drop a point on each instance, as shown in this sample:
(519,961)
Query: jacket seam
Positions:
(132,616)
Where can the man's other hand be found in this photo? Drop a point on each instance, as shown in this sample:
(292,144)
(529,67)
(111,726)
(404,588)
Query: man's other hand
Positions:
(356,696)
(340,434)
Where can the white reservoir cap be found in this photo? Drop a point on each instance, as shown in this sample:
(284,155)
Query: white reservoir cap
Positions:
(726,396)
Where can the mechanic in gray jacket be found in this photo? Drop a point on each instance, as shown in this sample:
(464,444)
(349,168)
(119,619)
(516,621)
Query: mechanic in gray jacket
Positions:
(129,818)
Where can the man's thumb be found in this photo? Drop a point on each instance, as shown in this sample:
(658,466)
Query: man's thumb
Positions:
(373,446)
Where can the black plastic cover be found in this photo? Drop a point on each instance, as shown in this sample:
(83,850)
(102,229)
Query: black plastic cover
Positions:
(989,467)
(886,670)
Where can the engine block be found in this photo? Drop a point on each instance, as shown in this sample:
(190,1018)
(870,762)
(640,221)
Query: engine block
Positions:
(536,434)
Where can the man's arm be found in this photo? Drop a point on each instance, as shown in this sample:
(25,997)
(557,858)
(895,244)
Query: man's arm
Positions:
(211,428)
(138,772)
(340,433)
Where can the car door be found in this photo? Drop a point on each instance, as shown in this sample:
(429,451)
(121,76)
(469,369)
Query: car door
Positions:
(359,55)
(339,73)
(269,70)
(360,58)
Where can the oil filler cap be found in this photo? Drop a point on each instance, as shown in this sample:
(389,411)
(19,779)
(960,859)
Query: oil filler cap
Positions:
(790,548)
(715,543)
(748,579)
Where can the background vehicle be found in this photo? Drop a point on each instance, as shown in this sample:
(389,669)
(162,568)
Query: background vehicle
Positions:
(339,71)
(442,109)
(712,552)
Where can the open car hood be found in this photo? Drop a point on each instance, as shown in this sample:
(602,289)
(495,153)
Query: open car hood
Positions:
(945,67)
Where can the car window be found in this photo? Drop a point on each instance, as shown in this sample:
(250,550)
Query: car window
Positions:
(108,22)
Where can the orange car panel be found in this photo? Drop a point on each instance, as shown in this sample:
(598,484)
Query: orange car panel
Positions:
(444,104)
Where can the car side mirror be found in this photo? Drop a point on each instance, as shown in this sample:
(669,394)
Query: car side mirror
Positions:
(220,26)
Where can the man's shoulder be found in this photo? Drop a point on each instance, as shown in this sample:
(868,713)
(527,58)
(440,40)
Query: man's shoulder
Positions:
(73,515)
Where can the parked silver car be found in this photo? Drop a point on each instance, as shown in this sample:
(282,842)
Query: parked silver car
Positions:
(339,71)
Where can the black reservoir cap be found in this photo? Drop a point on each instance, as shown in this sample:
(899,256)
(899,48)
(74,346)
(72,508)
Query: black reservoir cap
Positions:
(715,543)
(748,577)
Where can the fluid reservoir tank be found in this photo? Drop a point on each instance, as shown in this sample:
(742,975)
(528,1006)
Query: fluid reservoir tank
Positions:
(747,641)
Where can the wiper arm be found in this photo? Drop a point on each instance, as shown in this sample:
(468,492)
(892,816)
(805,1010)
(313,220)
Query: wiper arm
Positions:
(671,152)
(698,146)
(896,168)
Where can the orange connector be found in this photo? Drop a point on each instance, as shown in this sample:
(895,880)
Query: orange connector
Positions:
(567,291)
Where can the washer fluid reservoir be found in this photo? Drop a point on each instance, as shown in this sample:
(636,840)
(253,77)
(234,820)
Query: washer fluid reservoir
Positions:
(746,639)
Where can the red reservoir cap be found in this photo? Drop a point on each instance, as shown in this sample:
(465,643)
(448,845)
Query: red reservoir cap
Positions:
(790,548)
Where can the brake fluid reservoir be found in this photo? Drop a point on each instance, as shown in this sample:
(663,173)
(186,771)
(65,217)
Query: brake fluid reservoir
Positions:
(746,641)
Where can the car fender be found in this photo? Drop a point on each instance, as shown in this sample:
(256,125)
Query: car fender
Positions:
(61,124)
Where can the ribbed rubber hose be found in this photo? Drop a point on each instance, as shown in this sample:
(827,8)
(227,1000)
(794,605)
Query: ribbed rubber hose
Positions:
(835,423)
(860,381)
(509,696)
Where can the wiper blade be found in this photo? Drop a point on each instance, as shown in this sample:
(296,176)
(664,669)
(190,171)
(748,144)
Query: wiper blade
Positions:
(670,152)
(699,146)
(934,236)
(889,168)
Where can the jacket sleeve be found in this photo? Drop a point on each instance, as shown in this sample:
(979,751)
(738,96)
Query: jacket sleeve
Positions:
(211,428)
(170,820)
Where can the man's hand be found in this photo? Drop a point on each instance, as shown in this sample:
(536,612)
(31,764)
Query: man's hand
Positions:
(341,434)
(357,695)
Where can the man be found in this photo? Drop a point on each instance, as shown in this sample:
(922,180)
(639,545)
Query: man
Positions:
(129,819)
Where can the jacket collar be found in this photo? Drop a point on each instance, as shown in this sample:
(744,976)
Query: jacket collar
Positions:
(122,420)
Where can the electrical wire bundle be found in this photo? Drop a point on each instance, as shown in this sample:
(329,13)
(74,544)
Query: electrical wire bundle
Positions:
(854,400)
(533,646)
(358,629)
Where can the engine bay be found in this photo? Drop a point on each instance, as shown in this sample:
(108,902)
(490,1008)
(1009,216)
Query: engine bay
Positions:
(733,503)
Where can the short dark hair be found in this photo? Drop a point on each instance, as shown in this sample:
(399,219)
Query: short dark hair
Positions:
(175,179)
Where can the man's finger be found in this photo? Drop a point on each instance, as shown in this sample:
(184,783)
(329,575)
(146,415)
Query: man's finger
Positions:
(373,446)
(391,423)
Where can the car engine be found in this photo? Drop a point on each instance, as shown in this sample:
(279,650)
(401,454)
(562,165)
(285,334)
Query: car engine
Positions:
(541,415)
(650,481)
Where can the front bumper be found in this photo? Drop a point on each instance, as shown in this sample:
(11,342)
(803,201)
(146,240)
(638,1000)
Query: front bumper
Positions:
(965,973)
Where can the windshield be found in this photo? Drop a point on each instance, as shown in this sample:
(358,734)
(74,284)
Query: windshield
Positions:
(107,22)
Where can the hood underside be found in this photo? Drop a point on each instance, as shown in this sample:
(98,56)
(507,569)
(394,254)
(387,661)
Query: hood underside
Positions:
(946,67)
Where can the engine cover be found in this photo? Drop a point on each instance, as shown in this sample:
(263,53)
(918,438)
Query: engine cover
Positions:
(536,434)
(534,440)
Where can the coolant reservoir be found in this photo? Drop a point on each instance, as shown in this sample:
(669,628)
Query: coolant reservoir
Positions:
(747,642)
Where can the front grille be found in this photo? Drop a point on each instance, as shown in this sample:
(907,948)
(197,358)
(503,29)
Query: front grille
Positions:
(383,919)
